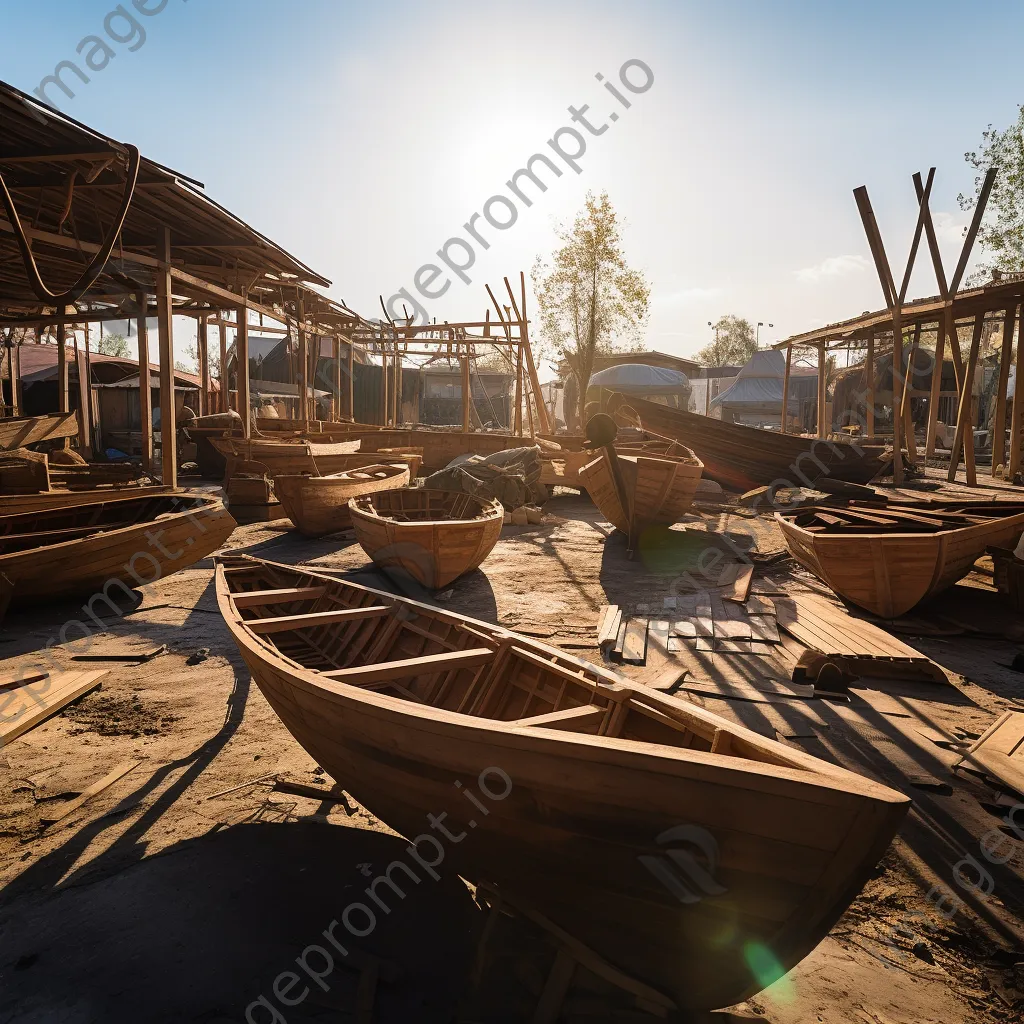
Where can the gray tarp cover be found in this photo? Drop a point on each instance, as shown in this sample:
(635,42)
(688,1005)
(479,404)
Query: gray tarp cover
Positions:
(512,476)
(641,378)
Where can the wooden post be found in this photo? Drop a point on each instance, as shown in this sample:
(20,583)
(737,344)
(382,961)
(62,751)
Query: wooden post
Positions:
(822,391)
(303,364)
(467,396)
(145,391)
(1017,415)
(337,379)
(16,403)
(543,422)
(999,426)
(225,398)
(785,388)
(165,331)
(936,387)
(897,399)
(62,369)
(908,376)
(203,351)
(869,402)
(242,369)
(518,429)
(964,437)
(351,379)
(397,396)
(84,403)
(383,380)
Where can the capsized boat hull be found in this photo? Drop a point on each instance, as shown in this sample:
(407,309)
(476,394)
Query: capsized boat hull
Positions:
(703,875)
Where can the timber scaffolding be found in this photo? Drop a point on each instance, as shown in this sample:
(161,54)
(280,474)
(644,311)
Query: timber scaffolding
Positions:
(996,302)
(92,232)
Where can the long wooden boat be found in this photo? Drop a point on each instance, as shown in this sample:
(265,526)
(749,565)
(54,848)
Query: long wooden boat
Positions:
(694,855)
(21,431)
(318,505)
(658,489)
(742,457)
(432,536)
(12,503)
(82,549)
(888,559)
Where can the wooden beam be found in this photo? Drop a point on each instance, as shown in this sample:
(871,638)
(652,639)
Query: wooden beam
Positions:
(822,391)
(309,620)
(337,380)
(62,369)
(303,365)
(785,389)
(999,424)
(936,385)
(869,403)
(1017,415)
(964,437)
(16,396)
(145,392)
(84,403)
(203,353)
(518,426)
(908,389)
(972,231)
(242,369)
(426,664)
(165,331)
(467,394)
(351,381)
(225,398)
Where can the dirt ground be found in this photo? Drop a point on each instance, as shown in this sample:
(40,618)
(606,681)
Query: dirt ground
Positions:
(179,893)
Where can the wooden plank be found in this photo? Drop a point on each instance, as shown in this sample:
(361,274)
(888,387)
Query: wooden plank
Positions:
(608,625)
(577,719)
(869,372)
(634,644)
(40,703)
(257,598)
(425,665)
(84,401)
(999,429)
(964,438)
(1017,412)
(739,589)
(785,388)
(283,623)
(94,790)
(658,631)
(165,331)
(999,752)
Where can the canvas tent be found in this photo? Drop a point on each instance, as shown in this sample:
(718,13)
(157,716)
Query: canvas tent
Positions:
(755,395)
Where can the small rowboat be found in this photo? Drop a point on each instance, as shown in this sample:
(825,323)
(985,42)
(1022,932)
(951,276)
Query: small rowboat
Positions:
(295,463)
(889,558)
(318,505)
(695,856)
(81,549)
(432,536)
(12,503)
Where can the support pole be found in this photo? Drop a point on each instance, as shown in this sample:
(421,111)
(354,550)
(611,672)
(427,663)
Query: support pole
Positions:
(337,379)
(822,392)
(62,369)
(351,379)
(908,376)
(543,423)
(999,425)
(165,331)
(785,389)
(518,429)
(145,390)
(84,404)
(203,350)
(383,381)
(16,403)
(225,403)
(303,361)
(869,403)
(398,384)
(467,396)
(964,438)
(242,369)
(1017,415)
(897,398)
(933,396)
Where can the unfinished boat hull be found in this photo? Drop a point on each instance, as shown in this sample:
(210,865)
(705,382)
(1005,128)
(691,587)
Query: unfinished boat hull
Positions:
(701,875)
(318,505)
(742,458)
(21,431)
(890,572)
(295,463)
(80,549)
(660,488)
(431,536)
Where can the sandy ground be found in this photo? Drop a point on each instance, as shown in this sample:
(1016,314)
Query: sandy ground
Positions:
(162,899)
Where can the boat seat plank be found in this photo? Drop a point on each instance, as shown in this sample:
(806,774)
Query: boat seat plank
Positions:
(256,598)
(283,623)
(425,665)
(576,719)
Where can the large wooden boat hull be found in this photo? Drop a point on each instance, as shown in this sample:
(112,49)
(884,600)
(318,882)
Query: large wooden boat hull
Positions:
(699,858)
(81,549)
(889,572)
(21,431)
(661,489)
(318,505)
(431,536)
(12,503)
(296,462)
(742,457)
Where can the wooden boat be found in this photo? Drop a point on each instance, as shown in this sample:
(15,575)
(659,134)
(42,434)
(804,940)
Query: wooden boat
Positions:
(889,558)
(82,549)
(694,855)
(742,457)
(658,489)
(429,535)
(21,431)
(318,505)
(11,503)
(23,471)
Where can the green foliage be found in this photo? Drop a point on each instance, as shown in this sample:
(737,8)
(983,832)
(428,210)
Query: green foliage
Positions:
(590,301)
(113,345)
(734,345)
(1002,232)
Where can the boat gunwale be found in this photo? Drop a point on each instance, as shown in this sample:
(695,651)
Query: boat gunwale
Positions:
(815,771)
(784,520)
(492,509)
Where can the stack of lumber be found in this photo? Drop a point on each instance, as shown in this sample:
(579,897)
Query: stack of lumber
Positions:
(28,700)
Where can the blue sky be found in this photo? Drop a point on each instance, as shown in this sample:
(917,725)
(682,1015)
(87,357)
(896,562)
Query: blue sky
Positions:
(361,137)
